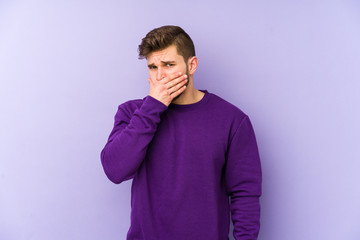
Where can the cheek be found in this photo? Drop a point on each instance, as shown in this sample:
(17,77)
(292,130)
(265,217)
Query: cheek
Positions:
(177,69)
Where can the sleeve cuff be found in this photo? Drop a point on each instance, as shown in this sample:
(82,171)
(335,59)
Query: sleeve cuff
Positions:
(151,104)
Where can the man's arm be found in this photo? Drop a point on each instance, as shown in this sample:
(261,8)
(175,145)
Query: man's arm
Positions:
(128,141)
(132,132)
(243,181)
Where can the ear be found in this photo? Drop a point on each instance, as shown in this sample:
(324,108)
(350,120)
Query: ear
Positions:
(192,64)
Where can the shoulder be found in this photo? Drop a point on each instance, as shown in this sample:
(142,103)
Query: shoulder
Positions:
(130,104)
(227,109)
(233,117)
(128,107)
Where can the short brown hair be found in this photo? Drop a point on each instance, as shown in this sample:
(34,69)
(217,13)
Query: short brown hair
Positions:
(162,37)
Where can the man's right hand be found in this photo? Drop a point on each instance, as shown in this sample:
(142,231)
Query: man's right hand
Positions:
(166,89)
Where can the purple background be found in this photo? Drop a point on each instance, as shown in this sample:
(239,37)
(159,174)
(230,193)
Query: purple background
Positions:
(65,66)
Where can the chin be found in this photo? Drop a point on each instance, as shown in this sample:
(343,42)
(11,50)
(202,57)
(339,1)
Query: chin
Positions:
(178,96)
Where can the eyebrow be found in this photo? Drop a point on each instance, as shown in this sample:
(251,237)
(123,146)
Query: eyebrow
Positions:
(164,63)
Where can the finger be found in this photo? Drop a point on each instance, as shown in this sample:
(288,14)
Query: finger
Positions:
(150,81)
(176,81)
(176,87)
(171,77)
(177,92)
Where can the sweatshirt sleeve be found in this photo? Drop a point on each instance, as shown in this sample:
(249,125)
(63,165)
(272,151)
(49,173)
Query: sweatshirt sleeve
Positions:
(243,181)
(128,141)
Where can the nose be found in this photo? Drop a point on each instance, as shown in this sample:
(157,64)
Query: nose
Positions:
(160,73)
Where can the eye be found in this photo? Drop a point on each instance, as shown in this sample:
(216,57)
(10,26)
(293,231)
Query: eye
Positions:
(152,67)
(170,64)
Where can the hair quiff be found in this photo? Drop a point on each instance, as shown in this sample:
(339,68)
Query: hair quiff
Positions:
(162,37)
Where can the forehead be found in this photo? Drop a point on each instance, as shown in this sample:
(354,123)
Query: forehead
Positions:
(168,54)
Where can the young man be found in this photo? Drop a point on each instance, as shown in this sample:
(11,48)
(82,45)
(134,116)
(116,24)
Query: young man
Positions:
(187,151)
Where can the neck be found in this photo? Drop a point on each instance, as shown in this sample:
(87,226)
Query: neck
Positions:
(189,96)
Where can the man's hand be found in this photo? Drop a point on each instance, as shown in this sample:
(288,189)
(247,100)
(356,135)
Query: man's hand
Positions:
(166,89)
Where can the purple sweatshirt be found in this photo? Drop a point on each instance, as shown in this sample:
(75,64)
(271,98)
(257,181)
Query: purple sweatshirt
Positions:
(187,162)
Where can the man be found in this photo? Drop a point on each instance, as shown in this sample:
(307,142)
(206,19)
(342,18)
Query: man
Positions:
(187,151)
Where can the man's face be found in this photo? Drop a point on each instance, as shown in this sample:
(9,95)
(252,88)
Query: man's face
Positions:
(166,62)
